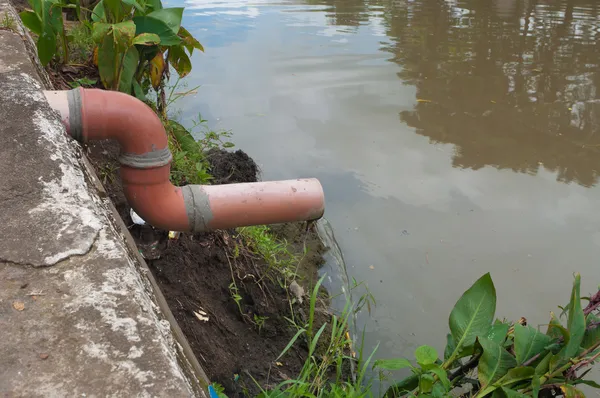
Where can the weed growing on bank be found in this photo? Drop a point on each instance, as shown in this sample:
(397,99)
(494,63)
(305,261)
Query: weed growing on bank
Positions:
(282,264)
(484,356)
(80,42)
(7,22)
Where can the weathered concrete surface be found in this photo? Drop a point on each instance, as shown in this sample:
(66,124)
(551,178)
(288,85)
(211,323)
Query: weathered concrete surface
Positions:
(78,313)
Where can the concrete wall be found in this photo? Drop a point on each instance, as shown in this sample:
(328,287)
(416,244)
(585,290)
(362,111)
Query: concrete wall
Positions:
(80,313)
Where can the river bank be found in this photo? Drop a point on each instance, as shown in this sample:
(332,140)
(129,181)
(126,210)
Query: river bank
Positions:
(235,340)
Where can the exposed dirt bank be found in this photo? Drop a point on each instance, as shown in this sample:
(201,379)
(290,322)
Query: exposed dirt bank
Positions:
(195,275)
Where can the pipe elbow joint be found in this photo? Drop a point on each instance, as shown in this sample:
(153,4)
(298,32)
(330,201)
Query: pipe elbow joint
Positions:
(92,114)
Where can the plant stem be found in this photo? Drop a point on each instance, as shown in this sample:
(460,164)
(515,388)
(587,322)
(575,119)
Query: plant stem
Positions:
(572,362)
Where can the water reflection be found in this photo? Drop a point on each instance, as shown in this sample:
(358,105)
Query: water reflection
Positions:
(512,84)
(331,89)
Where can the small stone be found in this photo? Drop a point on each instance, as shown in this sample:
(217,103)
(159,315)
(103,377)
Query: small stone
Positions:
(18,305)
(44,355)
(371,267)
(297,291)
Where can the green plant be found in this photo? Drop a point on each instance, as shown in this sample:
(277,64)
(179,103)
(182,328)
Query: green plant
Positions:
(190,165)
(323,373)
(7,22)
(259,321)
(136,42)
(83,82)
(46,22)
(235,295)
(81,44)
(282,264)
(511,359)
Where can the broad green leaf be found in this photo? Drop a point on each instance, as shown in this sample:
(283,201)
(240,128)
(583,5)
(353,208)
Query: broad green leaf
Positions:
(529,342)
(138,91)
(494,363)
(570,391)
(123,33)
(180,61)
(100,30)
(184,138)
(575,322)
(128,68)
(170,16)
(592,334)
(37,6)
(98,13)
(146,39)
(473,314)
(114,9)
(498,332)
(442,376)
(438,391)
(107,61)
(46,45)
(189,41)
(31,21)
(53,16)
(392,364)
(154,4)
(133,3)
(147,24)
(426,383)
(403,386)
(556,330)
(513,376)
(426,355)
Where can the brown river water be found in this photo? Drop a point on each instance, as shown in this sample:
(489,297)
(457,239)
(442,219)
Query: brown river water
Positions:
(452,138)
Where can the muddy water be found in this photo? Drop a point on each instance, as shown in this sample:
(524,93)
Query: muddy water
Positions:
(452,138)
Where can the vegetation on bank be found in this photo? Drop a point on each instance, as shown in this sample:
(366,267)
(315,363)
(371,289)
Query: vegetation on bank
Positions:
(483,357)
(133,44)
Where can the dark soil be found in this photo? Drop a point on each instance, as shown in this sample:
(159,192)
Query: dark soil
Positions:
(194,273)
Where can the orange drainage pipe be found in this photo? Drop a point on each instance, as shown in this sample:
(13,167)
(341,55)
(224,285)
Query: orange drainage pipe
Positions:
(92,114)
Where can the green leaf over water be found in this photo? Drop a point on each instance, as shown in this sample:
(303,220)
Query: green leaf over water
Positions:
(529,342)
(498,332)
(392,364)
(472,315)
(555,328)
(575,322)
(170,16)
(426,383)
(512,377)
(494,363)
(147,24)
(180,60)
(426,355)
(189,41)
